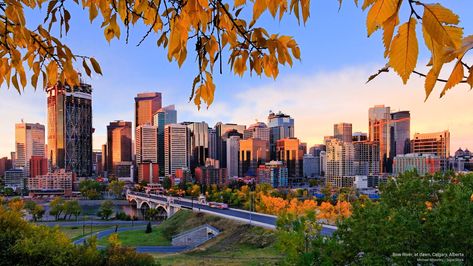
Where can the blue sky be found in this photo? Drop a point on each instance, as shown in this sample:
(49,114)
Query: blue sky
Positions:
(326,87)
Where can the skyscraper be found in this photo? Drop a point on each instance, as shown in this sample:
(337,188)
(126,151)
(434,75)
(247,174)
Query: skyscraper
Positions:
(379,130)
(146,105)
(366,158)
(253,152)
(146,144)
(259,130)
(400,133)
(340,158)
(213,144)
(165,116)
(281,126)
(343,132)
(199,143)
(289,151)
(176,148)
(29,141)
(118,144)
(233,146)
(70,128)
(223,131)
(437,143)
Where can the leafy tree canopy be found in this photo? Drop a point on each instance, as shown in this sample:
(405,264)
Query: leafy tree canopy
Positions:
(217,30)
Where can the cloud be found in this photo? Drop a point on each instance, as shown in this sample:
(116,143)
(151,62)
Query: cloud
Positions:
(319,100)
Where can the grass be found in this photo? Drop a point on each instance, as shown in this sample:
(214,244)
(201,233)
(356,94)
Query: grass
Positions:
(237,244)
(140,238)
(75,232)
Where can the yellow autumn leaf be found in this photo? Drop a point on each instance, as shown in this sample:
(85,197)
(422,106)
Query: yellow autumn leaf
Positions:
(388,27)
(258,8)
(455,77)
(434,21)
(367,3)
(239,3)
(381,11)
(404,50)
(95,66)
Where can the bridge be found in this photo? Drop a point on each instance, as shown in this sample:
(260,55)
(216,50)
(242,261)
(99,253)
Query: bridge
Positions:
(167,206)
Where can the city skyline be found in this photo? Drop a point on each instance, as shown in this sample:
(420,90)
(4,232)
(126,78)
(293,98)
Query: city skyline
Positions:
(325,82)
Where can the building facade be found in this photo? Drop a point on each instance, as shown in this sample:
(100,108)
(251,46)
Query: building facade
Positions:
(366,158)
(437,143)
(423,163)
(38,166)
(58,183)
(281,126)
(252,153)
(223,132)
(274,173)
(400,133)
(165,116)
(29,142)
(119,144)
(339,159)
(146,105)
(15,179)
(70,128)
(233,147)
(209,175)
(259,130)
(343,132)
(176,148)
(289,152)
(379,118)
(199,143)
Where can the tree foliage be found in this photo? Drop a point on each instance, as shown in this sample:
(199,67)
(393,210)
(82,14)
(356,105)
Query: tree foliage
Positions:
(442,34)
(106,209)
(91,189)
(430,215)
(24,243)
(116,187)
(213,28)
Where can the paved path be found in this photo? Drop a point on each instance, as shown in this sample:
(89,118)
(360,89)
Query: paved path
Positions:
(95,222)
(141,249)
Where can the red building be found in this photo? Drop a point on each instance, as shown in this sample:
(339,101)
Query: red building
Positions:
(148,172)
(58,183)
(38,166)
(210,175)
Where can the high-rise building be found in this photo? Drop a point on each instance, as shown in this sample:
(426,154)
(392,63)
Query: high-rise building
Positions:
(359,136)
(232,150)
(213,144)
(97,161)
(118,144)
(176,148)
(146,105)
(340,158)
(289,151)
(165,116)
(199,143)
(366,158)
(253,152)
(104,159)
(422,163)
(38,166)
(259,130)
(148,172)
(281,126)
(311,165)
(223,132)
(70,128)
(343,132)
(379,130)
(29,141)
(3,165)
(437,143)
(146,144)
(400,133)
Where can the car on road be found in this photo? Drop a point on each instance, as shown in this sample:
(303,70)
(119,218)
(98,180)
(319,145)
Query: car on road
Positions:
(218,205)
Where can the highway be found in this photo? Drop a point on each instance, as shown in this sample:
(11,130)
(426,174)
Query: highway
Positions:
(242,215)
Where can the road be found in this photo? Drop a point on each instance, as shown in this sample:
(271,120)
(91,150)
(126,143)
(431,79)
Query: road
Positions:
(262,219)
(95,222)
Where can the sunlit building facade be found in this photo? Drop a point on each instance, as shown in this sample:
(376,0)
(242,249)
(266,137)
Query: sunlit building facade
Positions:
(290,153)
(70,128)
(164,116)
(281,126)
(252,153)
(437,143)
(380,131)
(343,132)
(176,148)
(146,105)
(29,142)
(119,148)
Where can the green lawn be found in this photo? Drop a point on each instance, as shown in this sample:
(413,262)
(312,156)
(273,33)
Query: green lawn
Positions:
(140,238)
(75,232)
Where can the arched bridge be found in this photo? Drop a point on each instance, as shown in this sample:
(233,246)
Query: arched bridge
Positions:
(170,205)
